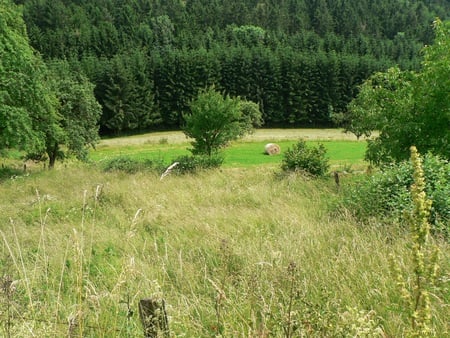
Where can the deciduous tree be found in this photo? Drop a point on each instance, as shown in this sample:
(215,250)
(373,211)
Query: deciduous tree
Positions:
(407,108)
(27,105)
(79,114)
(215,120)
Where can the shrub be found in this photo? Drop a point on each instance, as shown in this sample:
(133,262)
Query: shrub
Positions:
(7,173)
(192,164)
(311,160)
(131,166)
(386,194)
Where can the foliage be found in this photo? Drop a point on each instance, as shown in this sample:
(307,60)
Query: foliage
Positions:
(247,35)
(425,256)
(27,105)
(407,108)
(42,109)
(195,163)
(79,114)
(432,87)
(385,194)
(148,59)
(250,116)
(126,93)
(216,120)
(130,166)
(309,159)
(9,173)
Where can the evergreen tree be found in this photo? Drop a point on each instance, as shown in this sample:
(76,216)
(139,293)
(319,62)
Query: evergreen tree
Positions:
(241,44)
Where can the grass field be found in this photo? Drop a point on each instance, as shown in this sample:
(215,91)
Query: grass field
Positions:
(344,150)
(235,252)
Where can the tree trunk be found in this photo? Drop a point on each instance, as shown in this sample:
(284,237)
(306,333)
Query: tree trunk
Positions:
(52,152)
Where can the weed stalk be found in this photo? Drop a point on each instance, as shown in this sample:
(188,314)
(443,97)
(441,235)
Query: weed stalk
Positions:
(289,325)
(425,255)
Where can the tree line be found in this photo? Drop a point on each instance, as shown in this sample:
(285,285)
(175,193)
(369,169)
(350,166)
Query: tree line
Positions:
(138,91)
(301,61)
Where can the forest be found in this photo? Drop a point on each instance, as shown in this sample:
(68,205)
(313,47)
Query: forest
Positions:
(300,61)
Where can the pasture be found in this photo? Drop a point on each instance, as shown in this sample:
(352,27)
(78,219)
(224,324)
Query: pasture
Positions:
(344,150)
(236,252)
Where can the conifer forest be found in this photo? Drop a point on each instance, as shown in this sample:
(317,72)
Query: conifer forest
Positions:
(300,61)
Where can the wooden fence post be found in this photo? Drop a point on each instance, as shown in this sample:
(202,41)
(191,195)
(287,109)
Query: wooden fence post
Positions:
(336,178)
(154,318)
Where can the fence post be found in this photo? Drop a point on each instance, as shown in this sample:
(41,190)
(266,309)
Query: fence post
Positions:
(336,178)
(154,318)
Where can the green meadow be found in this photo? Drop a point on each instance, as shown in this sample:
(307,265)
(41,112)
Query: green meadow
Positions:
(341,149)
(237,252)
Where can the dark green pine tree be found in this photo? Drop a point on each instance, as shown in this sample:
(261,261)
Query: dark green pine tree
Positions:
(144,113)
(116,101)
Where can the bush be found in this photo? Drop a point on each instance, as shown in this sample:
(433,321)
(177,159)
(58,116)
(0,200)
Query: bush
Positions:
(131,166)
(311,160)
(192,164)
(386,194)
(7,173)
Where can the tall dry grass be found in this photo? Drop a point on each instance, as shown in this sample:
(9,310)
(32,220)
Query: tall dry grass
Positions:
(235,252)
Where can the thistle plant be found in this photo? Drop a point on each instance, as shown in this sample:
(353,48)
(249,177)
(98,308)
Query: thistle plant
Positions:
(425,256)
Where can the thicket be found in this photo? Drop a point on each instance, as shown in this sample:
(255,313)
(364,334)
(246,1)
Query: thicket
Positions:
(301,61)
(186,164)
(385,195)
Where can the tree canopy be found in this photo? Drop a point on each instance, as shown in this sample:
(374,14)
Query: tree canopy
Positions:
(407,108)
(215,120)
(27,106)
(300,61)
(42,106)
(79,114)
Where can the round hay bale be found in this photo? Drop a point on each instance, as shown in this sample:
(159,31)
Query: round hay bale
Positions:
(272,149)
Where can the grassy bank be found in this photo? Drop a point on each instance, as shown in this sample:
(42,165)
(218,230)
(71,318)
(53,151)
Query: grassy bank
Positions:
(239,252)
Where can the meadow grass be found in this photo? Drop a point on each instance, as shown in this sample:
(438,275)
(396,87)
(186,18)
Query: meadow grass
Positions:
(340,153)
(236,252)
(343,150)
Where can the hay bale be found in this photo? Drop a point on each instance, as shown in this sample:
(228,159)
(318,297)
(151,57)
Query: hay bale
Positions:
(272,149)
